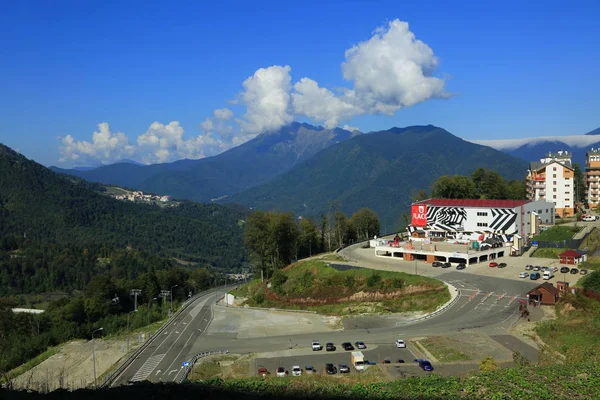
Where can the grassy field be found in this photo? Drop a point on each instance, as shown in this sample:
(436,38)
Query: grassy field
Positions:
(557,233)
(547,253)
(592,264)
(325,285)
(445,349)
(576,330)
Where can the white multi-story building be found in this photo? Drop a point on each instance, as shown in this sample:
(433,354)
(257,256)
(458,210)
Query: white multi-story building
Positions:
(592,177)
(552,179)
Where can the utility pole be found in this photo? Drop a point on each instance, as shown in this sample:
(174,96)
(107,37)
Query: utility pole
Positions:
(135,293)
(164,294)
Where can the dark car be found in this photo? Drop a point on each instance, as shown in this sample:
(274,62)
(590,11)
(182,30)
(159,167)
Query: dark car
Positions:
(347,346)
(446,265)
(564,270)
(436,264)
(330,347)
(534,276)
(344,369)
(461,266)
(330,369)
(574,271)
(502,265)
(310,369)
(360,345)
(424,364)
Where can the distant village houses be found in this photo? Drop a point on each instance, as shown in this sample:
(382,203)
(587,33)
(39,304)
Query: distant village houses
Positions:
(143,197)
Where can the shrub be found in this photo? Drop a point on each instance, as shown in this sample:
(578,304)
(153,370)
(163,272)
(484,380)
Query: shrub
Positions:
(374,280)
(397,283)
(259,298)
(488,364)
(349,281)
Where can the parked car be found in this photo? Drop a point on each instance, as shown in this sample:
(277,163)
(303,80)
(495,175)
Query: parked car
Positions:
(310,369)
(296,370)
(493,264)
(360,345)
(446,265)
(280,372)
(574,271)
(387,360)
(502,265)
(347,346)
(263,372)
(537,268)
(544,269)
(583,271)
(436,264)
(344,369)
(534,276)
(400,344)
(528,267)
(564,270)
(424,364)
(316,346)
(523,274)
(330,369)
(461,266)
(330,347)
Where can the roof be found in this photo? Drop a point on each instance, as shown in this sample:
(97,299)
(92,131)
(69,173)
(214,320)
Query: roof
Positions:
(570,253)
(474,203)
(547,286)
(537,165)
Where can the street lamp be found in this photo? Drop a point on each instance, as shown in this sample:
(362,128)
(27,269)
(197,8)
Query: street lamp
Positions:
(149,316)
(171,309)
(94,355)
(128,314)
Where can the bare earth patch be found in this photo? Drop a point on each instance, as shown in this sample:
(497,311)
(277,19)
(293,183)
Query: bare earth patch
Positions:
(71,367)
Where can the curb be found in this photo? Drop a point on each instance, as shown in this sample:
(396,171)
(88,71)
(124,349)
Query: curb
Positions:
(440,310)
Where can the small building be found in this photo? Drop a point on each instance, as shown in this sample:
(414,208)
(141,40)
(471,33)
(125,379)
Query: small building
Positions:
(545,293)
(572,257)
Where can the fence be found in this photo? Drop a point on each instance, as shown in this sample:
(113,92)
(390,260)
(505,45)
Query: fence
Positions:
(190,364)
(572,243)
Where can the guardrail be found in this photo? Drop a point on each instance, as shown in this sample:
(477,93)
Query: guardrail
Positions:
(110,378)
(190,364)
(436,312)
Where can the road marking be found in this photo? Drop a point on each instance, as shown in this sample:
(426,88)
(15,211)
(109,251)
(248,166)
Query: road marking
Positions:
(157,372)
(147,368)
(171,371)
(177,332)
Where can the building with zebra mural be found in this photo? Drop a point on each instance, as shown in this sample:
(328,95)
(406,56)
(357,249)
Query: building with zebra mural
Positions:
(448,217)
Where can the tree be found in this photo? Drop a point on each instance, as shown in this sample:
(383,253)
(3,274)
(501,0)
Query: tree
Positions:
(579,183)
(308,240)
(516,190)
(340,228)
(488,364)
(257,238)
(493,186)
(365,224)
(454,187)
(420,195)
(284,235)
(592,282)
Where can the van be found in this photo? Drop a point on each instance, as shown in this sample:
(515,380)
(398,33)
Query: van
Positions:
(534,276)
(548,275)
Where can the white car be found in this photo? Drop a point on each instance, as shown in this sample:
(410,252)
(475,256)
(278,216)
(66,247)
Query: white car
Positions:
(523,274)
(316,345)
(400,344)
(588,218)
(281,372)
(296,370)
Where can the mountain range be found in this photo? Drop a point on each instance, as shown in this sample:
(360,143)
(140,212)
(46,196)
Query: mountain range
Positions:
(302,168)
(533,149)
(48,207)
(252,163)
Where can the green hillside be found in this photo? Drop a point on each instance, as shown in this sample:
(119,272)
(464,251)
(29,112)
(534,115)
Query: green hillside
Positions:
(379,170)
(44,206)
(317,286)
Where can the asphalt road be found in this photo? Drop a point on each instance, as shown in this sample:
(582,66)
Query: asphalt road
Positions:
(487,303)
(162,360)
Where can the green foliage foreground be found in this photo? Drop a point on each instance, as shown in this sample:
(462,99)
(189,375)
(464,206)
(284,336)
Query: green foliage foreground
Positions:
(580,381)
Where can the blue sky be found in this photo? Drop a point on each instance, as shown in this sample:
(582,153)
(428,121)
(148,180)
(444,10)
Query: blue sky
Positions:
(502,69)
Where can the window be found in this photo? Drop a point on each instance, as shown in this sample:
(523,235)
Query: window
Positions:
(482,214)
(483,224)
(540,211)
(554,183)
(567,185)
(554,175)
(546,210)
(554,190)
(554,169)
(567,192)
(554,196)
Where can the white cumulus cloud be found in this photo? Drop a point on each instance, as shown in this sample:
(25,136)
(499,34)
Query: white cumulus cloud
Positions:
(267,100)
(223,114)
(104,147)
(389,71)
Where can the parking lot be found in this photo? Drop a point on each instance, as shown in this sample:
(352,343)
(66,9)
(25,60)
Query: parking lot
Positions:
(318,359)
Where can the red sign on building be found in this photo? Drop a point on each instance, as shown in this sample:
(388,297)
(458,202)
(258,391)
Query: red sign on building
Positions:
(419,215)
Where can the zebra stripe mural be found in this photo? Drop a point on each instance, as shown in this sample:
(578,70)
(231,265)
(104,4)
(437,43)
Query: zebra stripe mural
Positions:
(504,219)
(446,218)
